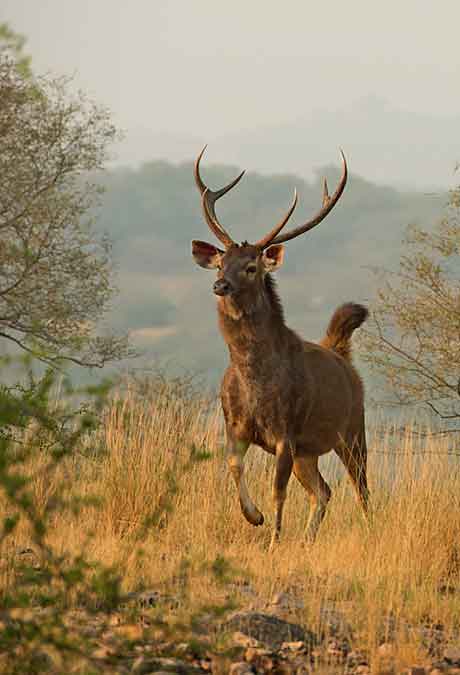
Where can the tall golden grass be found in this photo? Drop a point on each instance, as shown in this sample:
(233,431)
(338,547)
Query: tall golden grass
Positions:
(401,570)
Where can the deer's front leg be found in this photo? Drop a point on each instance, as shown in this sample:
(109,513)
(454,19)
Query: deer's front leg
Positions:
(283,469)
(235,456)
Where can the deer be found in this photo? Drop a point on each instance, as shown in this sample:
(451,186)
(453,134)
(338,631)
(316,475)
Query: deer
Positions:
(295,399)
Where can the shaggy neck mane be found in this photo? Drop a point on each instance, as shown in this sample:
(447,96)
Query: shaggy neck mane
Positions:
(253,325)
(274,298)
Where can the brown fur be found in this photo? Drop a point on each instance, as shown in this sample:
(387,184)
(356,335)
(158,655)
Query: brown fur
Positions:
(344,321)
(295,399)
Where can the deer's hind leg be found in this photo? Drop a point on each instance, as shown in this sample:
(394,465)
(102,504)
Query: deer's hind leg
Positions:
(236,451)
(307,473)
(283,470)
(353,453)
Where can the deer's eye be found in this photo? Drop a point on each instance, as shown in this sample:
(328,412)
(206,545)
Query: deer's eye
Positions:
(251,269)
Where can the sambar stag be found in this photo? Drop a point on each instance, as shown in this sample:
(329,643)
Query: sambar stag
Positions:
(295,399)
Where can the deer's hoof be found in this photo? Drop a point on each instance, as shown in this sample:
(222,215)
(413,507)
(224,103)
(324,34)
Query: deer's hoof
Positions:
(255,517)
(260,519)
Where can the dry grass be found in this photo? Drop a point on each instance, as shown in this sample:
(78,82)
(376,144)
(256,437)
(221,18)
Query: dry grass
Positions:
(387,578)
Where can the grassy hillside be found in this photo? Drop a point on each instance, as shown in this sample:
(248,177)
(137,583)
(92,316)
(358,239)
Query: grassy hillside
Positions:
(174,526)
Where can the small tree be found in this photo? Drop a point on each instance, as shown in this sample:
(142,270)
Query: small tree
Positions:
(413,336)
(55,274)
(13,43)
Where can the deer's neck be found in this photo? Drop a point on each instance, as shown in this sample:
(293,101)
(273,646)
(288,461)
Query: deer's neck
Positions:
(253,328)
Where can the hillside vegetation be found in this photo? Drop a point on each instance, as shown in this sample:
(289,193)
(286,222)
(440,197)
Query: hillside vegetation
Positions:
(168,519)
(153,212)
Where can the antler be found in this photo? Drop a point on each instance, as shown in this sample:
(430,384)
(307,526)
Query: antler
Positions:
(209,198)
(328,205)
(265,241)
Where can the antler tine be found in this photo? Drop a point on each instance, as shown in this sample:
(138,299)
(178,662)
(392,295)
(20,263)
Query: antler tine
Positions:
(328,205)
(265,241)
(326,197)
(209,198)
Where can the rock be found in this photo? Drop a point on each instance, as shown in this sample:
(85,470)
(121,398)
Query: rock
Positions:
(267,629)
(432,639)
(356,658)
(452,655)
(103,652)
(141,666)
(316,654)
(287,601)
(106,635)
(28,557)
(22,614)
(386,659)
(292,668)
(243,640)
(240,668)
(206,664)
(42,661)
(261,659)
(146,665)
(296,667)
(252,652)
(386,650)
(337,651)
(114,620)
(362,670)
(184,649)
(129,631)
(298,646)
(341,646)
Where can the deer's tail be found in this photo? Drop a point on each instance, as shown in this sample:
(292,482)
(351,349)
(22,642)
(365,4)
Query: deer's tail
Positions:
(344,321)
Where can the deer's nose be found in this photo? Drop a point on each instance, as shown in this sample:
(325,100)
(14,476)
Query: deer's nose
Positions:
(222,287)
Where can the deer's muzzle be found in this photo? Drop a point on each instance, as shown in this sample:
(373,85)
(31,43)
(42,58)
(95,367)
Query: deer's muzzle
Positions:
(222,287)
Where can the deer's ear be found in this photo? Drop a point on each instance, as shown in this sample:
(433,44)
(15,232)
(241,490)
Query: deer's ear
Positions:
(272,257)
(206,255)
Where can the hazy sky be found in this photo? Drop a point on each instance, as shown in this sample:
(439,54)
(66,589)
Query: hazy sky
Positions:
(206,68)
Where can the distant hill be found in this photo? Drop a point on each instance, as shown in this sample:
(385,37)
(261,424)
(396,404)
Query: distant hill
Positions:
(388,146)
(152,213)
(400,148)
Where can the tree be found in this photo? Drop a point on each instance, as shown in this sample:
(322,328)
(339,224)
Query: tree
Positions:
(413,336)
(55,274)
(13,43)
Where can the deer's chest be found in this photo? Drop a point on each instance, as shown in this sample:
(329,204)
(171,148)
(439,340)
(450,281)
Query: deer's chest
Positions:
(259,411)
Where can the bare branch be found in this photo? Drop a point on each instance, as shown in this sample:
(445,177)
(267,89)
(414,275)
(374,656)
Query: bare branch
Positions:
(413,342)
